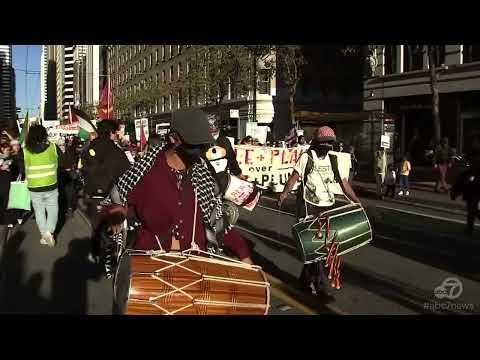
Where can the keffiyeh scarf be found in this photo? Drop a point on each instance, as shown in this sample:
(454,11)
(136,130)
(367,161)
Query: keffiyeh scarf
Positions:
(200,176)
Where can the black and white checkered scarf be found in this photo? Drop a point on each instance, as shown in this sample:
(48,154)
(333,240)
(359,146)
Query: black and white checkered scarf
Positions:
(200,176)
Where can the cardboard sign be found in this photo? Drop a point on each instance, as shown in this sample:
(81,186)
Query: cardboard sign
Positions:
(385,141)
(234,113)
(138,123)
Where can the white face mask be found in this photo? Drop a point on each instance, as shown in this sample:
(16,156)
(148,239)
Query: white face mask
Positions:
(216,135)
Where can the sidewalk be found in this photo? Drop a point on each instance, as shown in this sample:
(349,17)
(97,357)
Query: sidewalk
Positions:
(421,194)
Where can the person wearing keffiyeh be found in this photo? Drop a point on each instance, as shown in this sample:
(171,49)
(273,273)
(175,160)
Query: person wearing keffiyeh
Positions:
(175,195)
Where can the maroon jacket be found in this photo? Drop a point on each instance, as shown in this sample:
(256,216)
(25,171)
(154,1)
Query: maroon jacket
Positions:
(163,209)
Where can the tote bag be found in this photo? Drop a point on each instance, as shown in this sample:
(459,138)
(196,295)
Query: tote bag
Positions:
(19,195)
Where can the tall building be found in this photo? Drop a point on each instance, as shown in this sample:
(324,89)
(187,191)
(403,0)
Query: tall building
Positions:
(79,74)
(43,79)
(93,76)
(64,62)
(162,68)
(400,85)
(7,88)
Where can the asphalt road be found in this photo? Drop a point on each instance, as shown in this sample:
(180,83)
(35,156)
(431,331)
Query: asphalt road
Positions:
(36,279)
(413,251)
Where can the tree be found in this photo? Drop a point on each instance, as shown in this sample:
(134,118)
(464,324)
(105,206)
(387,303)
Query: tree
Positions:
(432,53)
(89,109)
(289,63)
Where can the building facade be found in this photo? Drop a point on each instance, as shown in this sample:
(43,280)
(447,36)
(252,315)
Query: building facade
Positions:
(7,88)
(64,62)
(400,85)
(132,68)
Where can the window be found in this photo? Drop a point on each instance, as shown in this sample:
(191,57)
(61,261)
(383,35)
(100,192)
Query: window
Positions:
(170,102)
(179,70)
(179,100)
(412,57)
(156,79)
(156,106)
(140,67)
(390,59)
(134,50)
(264,81)
(188,99)
(156,57)
(164,101)
(471,53)
(170,51)
(151,61)
(171,73)
(188,67)
(164,80)
(135,69)
(163,52)
(179,49)
(145,64)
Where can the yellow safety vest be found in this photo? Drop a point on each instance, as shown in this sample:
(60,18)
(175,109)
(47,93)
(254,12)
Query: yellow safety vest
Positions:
(41,168)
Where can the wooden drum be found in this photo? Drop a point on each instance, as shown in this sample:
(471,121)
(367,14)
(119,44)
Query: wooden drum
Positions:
(188,283)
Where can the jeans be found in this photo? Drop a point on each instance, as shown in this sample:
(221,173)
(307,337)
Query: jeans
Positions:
(403,182)
(45,205)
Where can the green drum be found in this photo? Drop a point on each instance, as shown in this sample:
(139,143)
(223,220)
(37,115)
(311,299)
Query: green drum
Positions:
(348,225)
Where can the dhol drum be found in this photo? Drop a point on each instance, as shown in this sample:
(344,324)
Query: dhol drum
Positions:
(347,226)
(188,283)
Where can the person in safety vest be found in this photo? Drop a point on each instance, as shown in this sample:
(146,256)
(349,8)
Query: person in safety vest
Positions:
(41,159)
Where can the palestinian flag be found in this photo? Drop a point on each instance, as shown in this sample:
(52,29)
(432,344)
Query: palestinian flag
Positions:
(85,126)
(23,133)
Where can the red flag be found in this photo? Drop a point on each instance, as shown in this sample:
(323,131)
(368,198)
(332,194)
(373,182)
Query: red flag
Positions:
(143,139)
(105,107)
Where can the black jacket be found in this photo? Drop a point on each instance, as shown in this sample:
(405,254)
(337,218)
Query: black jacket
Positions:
(103,163)
(468,185)
(223,142)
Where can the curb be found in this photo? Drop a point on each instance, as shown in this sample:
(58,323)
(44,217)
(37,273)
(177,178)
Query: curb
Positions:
(416,202)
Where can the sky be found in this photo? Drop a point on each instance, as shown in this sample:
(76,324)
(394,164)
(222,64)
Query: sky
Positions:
(27,85)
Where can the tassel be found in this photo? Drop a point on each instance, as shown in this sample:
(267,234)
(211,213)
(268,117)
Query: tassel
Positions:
(338,284)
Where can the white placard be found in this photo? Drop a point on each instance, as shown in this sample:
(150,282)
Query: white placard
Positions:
(232,140)
(162,128)
(299,132)
(138,123)
(385,141)
(234,114)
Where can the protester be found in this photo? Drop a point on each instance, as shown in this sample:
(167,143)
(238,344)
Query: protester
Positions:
(442,161)
(103,164)
(380,170)
(246,140)
(354,167)
(301,140)
(154,140)
(468,184)
(175,194)
(222,141)
(317,171)
(68,176)
(5,179)
(390,180)
(405,168)
(42,160)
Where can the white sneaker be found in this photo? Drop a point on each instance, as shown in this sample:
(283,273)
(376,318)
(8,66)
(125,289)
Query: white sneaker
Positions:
(43,240)
(49,238)
(407,193)
(400,193)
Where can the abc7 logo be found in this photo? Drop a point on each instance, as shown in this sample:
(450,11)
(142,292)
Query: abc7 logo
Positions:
(451,288)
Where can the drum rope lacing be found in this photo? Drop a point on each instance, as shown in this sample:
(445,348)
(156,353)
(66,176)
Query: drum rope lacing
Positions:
(175,289)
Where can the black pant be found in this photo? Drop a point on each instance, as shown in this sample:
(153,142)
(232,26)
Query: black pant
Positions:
(472,213)
(390,189)
(315,272)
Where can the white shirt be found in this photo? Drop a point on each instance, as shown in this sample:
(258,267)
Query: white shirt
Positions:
(320,185)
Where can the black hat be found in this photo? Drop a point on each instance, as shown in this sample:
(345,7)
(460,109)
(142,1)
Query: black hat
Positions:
(192,126)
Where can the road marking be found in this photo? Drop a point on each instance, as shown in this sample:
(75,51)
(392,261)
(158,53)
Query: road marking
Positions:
(276,210)
(264,237)
(414,245)
(275,285)
(424,215)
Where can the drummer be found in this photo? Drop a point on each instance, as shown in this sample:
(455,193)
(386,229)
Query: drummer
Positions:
(315,169)
(172,193)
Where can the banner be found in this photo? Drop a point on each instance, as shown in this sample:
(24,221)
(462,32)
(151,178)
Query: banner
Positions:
(138,123)
(271,167)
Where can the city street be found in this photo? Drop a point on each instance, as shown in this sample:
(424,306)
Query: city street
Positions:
(413,251)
